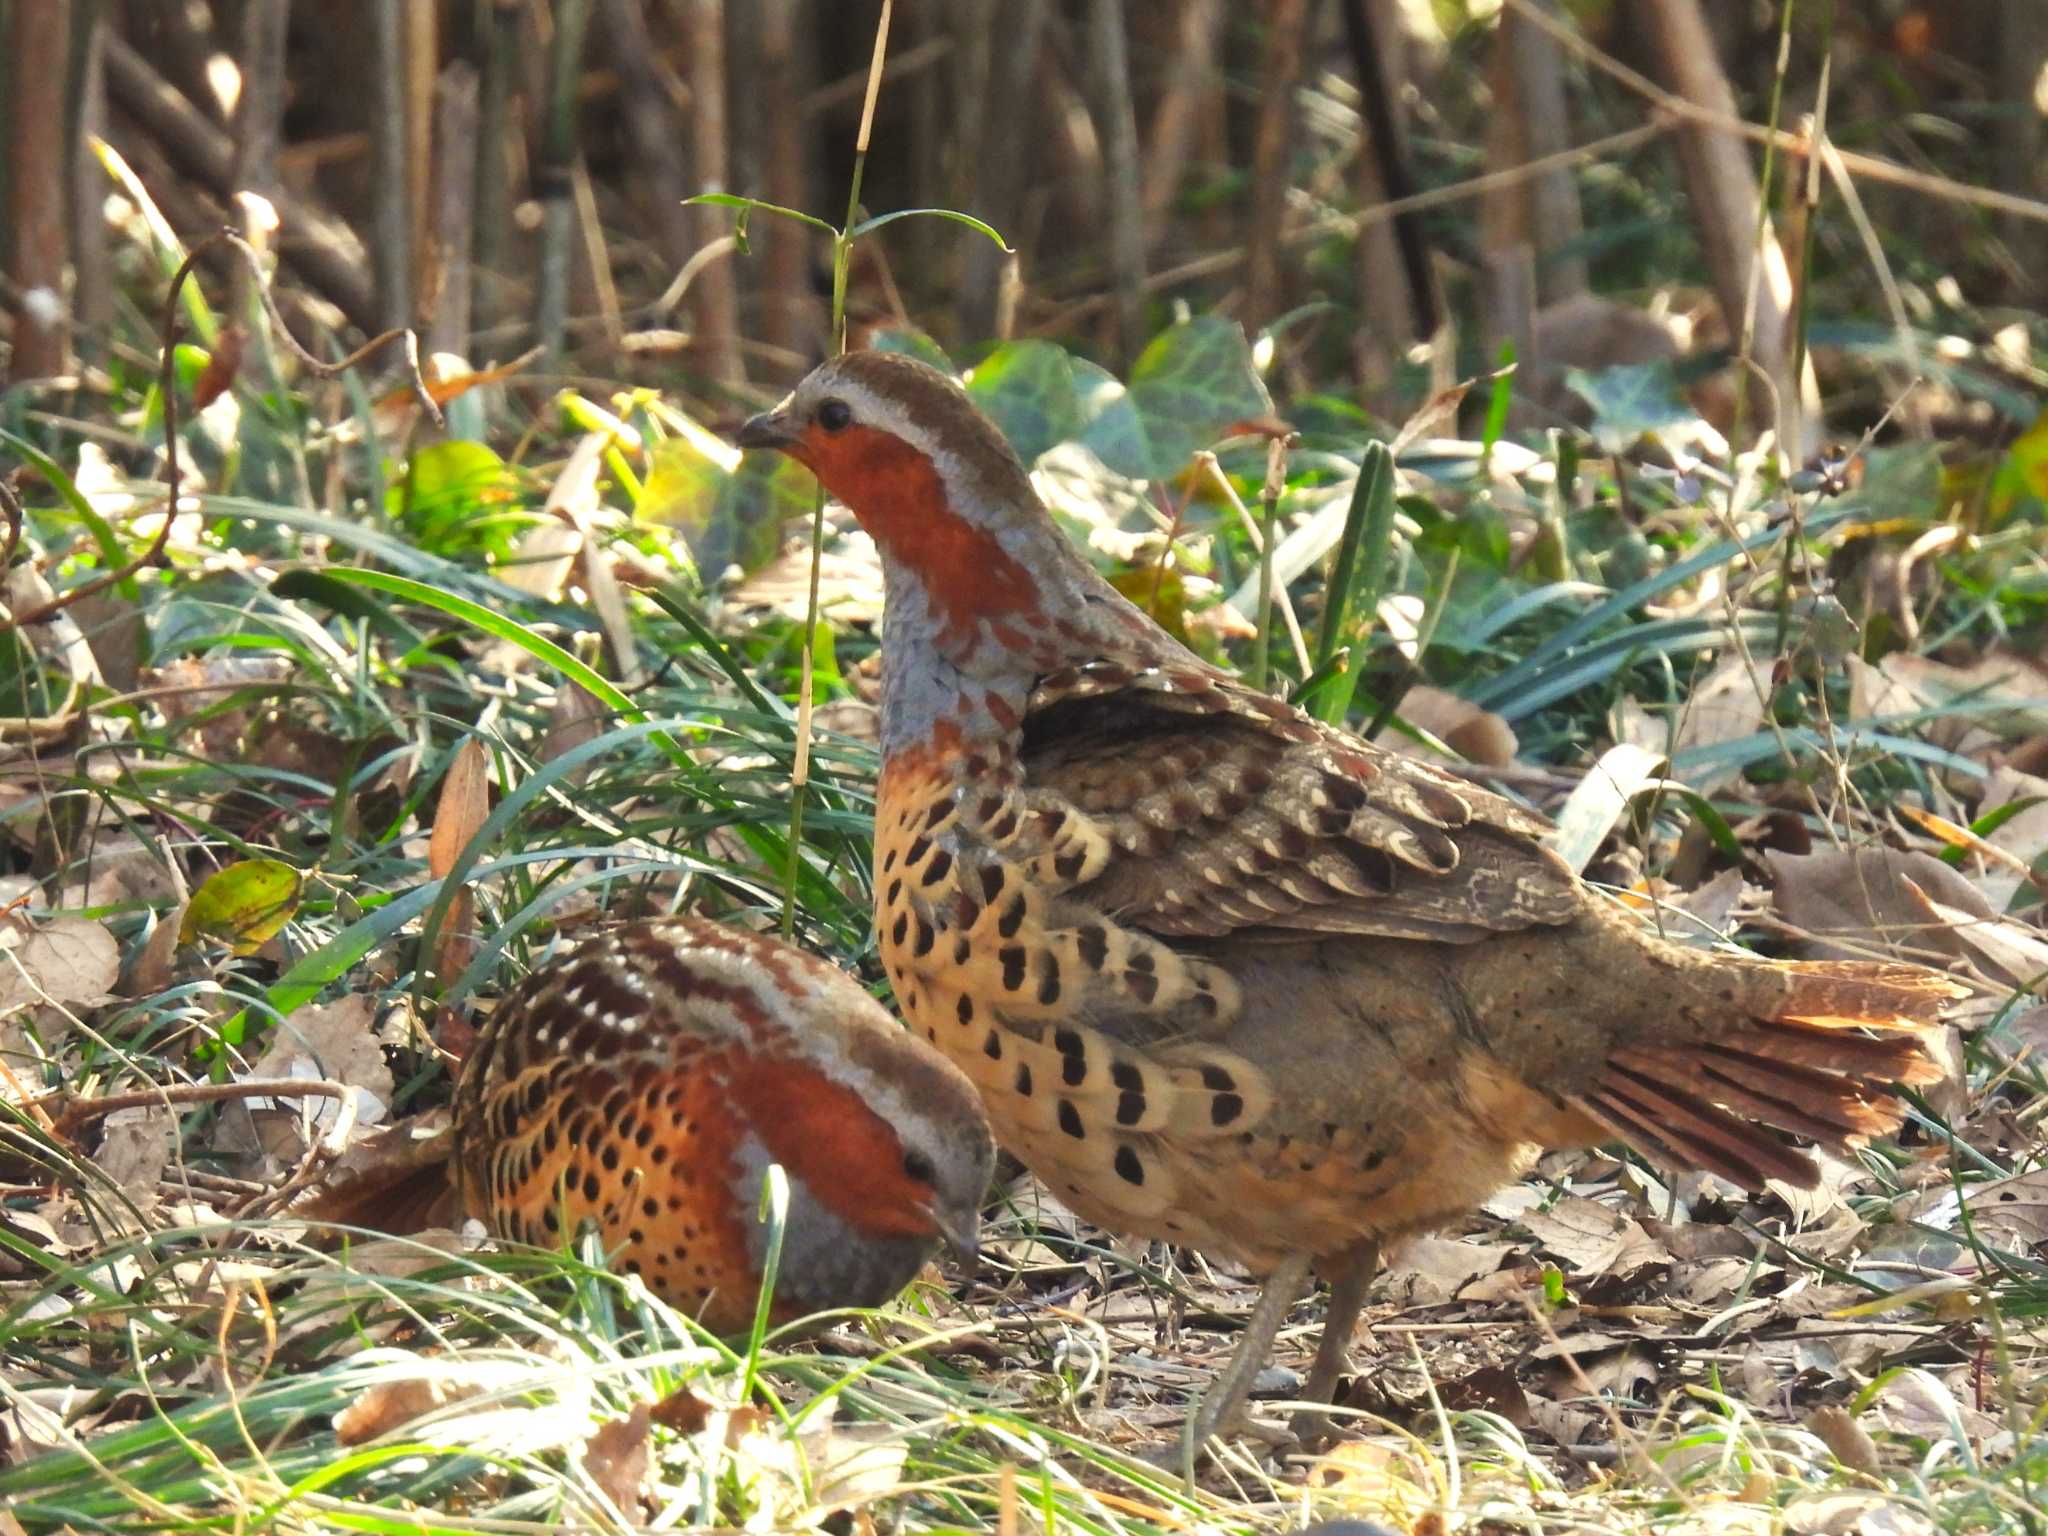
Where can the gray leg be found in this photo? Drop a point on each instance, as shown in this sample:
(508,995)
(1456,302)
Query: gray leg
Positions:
(1350,1278)
(1225,1399)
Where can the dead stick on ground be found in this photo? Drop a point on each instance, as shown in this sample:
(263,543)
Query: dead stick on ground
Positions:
(74,1116)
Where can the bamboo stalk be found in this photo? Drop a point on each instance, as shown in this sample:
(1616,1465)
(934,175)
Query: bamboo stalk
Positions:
(648,111)
(323,249)
(497,25)
(391,253)
(1009,136)
(420,50)
(1191,79)
(455,117)
(1287,23)
(39,39)
(554,175)
(788,307)
(1120,158)
(715,295)
(92,294)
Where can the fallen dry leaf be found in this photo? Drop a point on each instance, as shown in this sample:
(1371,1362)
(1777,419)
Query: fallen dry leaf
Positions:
(1860,903)
(1848,1440)
(2005,949)
(385,1407)
(620,1459)
(1425,1271)
(1854,1514)
(1593,1240)
(462,807)
(1729,704)
(336,1041)
(70,961)
(135,1148)
(1475,734)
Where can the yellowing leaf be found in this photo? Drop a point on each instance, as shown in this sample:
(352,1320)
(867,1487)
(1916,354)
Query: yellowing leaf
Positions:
(243,905)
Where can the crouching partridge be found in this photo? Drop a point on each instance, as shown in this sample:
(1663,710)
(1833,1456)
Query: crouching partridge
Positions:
(1232,978)
(645,1081)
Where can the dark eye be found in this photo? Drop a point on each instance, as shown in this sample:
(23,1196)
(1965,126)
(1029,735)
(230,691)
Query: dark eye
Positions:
(915,1163)
(835,415)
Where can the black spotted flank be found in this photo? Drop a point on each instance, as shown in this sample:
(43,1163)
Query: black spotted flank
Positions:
(1067,865)
(1070,1120)
(1129,1166)
(1130,1108)
(1224,1108)
(1092,939)
(1217,1080)
(1012,957)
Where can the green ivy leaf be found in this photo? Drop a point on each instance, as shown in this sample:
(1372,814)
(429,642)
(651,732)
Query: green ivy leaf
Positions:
(726,518)
(458,497)
(243,905)
(1027,388)
(911,342)
(1635,401)
(1189,386)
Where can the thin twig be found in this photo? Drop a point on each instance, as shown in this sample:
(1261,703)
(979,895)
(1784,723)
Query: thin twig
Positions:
(75,1116)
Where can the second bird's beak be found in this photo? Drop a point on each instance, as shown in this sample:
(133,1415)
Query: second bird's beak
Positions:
(770,429)
(961,1233)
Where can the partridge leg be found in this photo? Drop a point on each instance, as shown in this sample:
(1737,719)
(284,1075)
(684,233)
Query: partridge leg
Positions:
(1225,1399)
(1350,1278)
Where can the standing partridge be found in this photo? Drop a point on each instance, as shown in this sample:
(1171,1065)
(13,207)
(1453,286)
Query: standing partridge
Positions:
(1229,977)
(645,1081)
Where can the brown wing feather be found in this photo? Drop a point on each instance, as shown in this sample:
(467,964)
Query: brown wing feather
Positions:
(1229,813)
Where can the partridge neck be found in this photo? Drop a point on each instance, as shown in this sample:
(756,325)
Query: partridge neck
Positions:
(936,680)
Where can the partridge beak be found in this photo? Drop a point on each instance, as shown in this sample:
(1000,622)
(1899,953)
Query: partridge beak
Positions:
(961,1233)
(770,429)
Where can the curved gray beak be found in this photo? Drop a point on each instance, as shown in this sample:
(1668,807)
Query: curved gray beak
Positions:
(770,429)
(961,1233)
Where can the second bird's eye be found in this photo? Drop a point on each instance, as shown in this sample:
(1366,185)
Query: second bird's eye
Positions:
(835,415)
(919,1167)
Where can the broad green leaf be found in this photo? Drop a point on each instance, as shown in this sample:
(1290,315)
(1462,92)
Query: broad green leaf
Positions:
(2024,470)
(1027,388)
(727,518)
(1187,389)
(456,497)
(243,905)
(910,342)
(1900,484)
(1634,401)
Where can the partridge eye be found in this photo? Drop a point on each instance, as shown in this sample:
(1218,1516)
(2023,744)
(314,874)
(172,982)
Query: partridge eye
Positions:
(919,1167)
(835,415)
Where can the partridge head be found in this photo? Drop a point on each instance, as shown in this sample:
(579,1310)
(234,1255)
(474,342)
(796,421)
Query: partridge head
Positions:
(1231,977)
(645,1081)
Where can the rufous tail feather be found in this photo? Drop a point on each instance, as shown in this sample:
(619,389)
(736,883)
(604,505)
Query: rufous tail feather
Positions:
(1810,1051)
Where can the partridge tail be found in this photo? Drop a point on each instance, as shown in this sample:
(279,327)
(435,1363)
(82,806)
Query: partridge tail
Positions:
(1810,1052)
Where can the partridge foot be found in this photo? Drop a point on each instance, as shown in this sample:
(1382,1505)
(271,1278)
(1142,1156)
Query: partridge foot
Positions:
(1350,1278)
(1221,1410)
